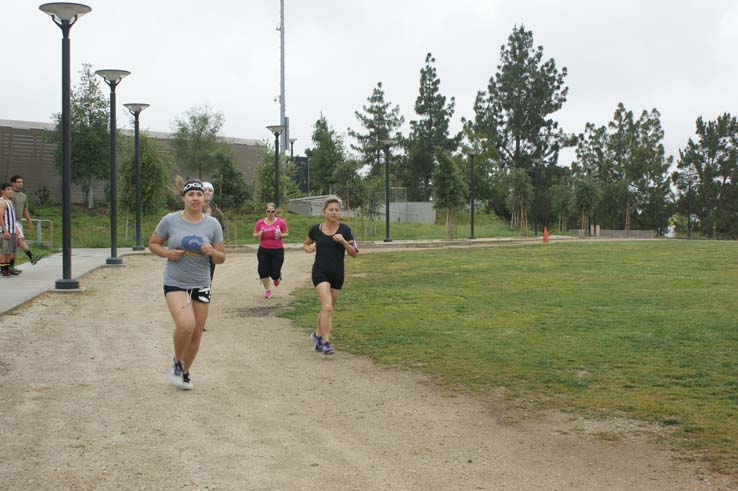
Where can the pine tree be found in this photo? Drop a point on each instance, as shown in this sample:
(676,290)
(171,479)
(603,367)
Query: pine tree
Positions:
(325,156)
(380,122)
(429,134)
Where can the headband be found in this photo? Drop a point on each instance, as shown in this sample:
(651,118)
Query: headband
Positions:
(193,186)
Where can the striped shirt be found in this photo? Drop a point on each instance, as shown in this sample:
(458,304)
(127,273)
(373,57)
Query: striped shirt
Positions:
(8,216)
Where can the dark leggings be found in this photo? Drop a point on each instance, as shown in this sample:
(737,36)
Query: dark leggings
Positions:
(270,263)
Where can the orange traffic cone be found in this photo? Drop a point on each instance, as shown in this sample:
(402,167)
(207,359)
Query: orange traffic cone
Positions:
(545,235)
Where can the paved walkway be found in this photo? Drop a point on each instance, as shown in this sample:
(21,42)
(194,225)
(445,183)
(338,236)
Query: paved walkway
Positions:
(42,277)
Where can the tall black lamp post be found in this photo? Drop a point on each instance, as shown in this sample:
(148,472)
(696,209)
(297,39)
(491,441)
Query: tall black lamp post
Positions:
(65,15)
(690,180)
(292,149)
(113,78)
(135,109)
(472,153)
(535,203)
(276,130)
(387,143)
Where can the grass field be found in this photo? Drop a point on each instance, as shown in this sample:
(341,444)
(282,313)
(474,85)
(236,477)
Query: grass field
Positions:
(648,330)
(91,228)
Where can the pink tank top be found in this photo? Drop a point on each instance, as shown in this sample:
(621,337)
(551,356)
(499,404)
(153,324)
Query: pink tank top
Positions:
(268,240)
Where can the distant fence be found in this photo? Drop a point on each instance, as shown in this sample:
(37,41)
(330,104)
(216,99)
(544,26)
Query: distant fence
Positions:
(616,234)
(401,211)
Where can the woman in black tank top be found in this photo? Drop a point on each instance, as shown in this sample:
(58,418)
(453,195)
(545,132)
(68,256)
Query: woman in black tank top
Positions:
(330,241)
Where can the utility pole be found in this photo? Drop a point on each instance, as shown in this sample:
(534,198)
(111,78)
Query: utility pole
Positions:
(282,104)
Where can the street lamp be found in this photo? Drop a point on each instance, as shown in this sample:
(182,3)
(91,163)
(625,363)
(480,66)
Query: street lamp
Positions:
(690,175)
(113,78)
(535,203)
(292,149)
(135,109)
(276,130)
(65,15)
(387,142)
(472,153)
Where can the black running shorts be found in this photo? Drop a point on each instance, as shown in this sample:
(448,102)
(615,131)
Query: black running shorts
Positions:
(197,294)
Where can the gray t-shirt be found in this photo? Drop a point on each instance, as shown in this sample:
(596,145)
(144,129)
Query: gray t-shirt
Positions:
(20,201)
(193,270)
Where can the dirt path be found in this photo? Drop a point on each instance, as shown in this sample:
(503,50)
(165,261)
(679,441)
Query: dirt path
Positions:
(85,404)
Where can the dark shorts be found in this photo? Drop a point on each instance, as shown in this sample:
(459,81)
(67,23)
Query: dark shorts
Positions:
(270,263)
(8,246)
(197,294)
(334,277)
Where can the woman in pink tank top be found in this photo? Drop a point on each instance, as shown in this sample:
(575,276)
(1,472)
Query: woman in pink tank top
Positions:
(270,231)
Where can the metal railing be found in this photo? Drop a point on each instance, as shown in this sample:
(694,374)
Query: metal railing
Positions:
(40,232)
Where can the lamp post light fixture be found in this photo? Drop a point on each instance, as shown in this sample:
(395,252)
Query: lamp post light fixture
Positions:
(135,109)
(65,15)
(472,153)
(113,78)
(387,142)
(276,130)
(292,149)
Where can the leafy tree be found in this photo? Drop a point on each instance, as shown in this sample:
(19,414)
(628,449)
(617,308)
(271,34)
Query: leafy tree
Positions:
(586,197)
(429,134)
(154,177)
(325,157)
(562,203)
(196,140)
(90,127)
(514,114)
(349,185)
(231,191)
(449,188)
(380,121)
(712,158)
(519,197)
(264,192)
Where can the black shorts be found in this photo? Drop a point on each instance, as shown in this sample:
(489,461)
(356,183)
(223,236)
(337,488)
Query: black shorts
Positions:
(334,277)
(197,294)
(270,263)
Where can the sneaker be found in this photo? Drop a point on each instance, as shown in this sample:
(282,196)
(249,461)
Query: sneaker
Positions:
(37,257)
(6,274)
(268,294)
(186,382)
(277,281)
(327,348)
(175,373)
(317,341)
(15,272)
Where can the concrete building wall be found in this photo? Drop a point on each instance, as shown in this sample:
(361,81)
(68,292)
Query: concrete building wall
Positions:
(25,150)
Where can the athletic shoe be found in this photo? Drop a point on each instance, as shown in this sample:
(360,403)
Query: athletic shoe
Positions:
(175,373)
(277,281)
(186,382)
(6,274)
(317,341)
(37,257)
(268,294)
(327,348)
(15,272)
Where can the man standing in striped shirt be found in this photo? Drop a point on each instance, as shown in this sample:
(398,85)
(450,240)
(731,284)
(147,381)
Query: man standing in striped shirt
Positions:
(7,224)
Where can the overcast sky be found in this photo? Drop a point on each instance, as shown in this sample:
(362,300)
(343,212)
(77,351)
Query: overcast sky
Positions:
(677,56)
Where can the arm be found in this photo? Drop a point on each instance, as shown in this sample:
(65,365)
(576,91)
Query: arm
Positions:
(215,251)
(346,245)
(309,245)
(3,225)
(257,230)
(285,232)
(28,217)
(156,245)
